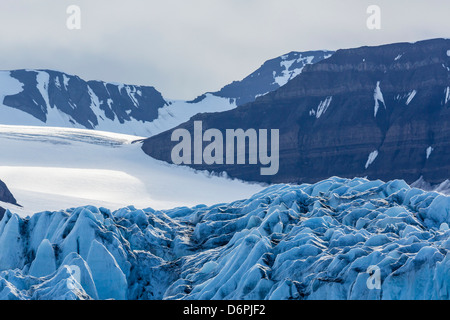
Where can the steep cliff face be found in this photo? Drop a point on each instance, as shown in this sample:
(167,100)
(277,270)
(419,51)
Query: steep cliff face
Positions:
(5,196)
(381,112)
(272,75)
(56,99)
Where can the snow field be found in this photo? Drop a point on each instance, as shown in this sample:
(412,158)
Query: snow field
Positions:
(59,168)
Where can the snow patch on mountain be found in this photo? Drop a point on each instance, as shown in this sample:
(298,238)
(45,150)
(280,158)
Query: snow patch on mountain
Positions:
(314,241)
(177,112)
(378,97)
(371,159)
(56,168)
(411,96)
(429,151)
(51,98)
(321,108)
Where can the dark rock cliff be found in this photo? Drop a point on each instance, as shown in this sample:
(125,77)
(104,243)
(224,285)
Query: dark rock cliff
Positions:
(79,100)
(381,112)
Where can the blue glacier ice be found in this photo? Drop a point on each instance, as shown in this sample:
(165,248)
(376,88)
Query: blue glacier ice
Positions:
(336,239)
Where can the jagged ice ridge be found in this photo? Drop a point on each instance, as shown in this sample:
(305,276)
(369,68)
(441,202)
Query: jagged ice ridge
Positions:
(286,242)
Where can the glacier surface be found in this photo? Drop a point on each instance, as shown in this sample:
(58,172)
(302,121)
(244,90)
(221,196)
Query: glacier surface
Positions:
(318,241)
(47,169)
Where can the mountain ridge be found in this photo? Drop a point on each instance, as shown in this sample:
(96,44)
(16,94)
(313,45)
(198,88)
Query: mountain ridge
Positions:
(379,111)
(53,98)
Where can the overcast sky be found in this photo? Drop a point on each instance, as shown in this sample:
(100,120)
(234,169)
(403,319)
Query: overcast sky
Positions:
(187,47)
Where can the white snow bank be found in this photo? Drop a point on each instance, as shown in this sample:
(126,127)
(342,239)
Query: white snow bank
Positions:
(58,168)
(378,97)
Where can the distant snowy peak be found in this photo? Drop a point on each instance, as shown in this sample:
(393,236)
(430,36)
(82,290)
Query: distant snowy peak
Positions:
(272,75)
(54,98)
(5,197)
(287,242)
(340,110)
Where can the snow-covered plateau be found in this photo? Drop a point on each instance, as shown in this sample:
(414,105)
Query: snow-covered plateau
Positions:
(317,241)
(48,168)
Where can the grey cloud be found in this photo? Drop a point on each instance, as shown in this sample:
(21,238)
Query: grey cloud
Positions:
(187,47)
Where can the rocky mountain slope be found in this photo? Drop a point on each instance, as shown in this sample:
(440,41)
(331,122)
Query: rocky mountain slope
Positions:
(381,112)
(52,98)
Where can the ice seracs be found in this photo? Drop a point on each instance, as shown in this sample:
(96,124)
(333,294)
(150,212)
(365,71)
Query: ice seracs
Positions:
(310,241)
